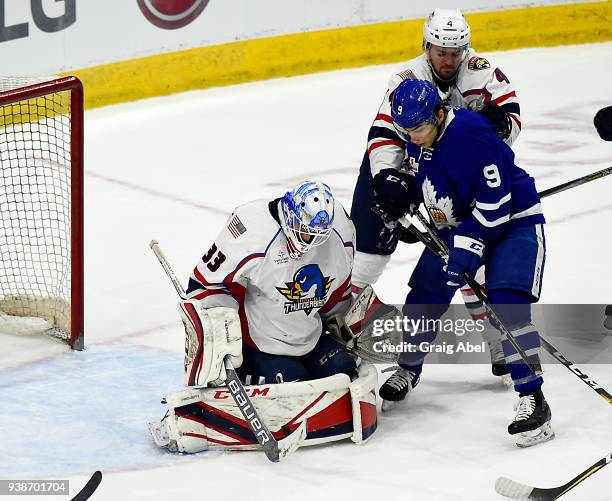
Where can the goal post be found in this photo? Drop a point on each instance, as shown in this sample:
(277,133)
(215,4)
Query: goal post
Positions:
(41,207)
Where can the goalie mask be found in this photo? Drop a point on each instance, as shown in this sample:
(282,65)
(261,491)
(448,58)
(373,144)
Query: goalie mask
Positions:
(307,216)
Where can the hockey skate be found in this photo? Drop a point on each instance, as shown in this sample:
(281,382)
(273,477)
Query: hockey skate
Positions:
(532,420)
(397,387)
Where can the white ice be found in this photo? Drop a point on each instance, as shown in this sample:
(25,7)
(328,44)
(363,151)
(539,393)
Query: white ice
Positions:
(173,168)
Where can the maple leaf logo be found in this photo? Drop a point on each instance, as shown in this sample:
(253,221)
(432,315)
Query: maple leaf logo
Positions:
(441,210)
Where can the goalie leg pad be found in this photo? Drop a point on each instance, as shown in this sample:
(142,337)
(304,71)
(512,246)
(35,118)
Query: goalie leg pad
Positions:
(211,334)
(363,402)
(333,408)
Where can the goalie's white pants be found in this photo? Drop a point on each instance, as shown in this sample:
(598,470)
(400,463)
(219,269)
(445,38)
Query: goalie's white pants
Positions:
(334,408)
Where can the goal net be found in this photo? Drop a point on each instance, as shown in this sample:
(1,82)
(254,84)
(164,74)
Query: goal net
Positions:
(41,207)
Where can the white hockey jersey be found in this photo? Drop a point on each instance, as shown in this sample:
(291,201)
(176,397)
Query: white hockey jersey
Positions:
(477,82)
(280,299)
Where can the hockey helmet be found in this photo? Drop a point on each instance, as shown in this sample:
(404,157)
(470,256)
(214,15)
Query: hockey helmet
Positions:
(414,102)
(307,216)
(446,28)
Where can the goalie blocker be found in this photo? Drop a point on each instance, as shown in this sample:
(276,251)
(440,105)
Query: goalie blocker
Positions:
(334,408)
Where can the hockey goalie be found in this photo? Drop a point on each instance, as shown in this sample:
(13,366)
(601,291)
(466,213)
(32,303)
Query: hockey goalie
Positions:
(273,294)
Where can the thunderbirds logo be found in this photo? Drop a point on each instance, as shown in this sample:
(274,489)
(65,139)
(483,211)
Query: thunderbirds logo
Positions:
(307,291)
(441,210)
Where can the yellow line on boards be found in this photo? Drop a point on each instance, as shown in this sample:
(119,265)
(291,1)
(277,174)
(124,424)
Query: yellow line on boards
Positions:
(311,52)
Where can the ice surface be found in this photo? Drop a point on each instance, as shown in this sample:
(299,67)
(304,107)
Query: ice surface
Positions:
(173,168)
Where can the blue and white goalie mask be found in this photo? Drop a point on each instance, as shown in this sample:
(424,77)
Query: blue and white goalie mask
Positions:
(307,216)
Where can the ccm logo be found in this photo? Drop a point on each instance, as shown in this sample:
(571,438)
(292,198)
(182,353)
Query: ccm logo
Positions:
(254,392)
(171,14)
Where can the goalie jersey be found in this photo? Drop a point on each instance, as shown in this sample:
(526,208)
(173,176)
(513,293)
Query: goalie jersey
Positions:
(477,82)
(469,183)
(280,299)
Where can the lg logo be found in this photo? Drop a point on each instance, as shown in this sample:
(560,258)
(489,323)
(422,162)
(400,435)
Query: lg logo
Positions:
(171,14)
(43,21)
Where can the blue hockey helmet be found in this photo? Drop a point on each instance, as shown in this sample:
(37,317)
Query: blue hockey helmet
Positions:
(307,216)
(414,102)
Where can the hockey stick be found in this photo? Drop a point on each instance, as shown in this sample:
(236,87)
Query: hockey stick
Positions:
(90,487)
(516,490)
(480,292)
(440,248)
(542,194)
(576,182)
(273,449)
(505,486)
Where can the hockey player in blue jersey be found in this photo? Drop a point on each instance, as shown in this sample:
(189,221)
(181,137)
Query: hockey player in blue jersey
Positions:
(488,211)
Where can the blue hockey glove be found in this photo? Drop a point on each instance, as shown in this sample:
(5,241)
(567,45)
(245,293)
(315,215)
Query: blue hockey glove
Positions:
(465,257)
(391,194)
(498,118)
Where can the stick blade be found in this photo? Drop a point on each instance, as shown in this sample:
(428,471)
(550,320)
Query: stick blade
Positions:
(290,443)
(512,489)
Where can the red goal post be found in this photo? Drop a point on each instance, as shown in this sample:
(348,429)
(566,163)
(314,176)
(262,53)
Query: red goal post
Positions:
(41,207)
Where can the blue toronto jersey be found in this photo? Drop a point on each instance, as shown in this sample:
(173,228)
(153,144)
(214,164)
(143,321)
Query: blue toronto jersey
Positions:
(469,182)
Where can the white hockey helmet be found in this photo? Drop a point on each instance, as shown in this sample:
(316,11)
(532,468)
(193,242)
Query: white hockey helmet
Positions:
(307,216)
(446,28)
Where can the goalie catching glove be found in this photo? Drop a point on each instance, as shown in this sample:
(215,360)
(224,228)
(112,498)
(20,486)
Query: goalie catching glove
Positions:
(210,335)
(362,330)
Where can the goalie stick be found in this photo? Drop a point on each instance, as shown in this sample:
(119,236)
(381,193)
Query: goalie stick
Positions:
(273,449)
(516,490)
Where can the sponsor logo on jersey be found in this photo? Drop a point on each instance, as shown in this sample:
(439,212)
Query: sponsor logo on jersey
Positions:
(171,14)
(307,291)
(440,209)
(281,258)
(478,63)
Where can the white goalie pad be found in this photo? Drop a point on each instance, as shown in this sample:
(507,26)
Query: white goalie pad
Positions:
(333,408)
(210,335)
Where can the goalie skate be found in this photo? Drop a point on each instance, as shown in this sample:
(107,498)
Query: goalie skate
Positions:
(532,421)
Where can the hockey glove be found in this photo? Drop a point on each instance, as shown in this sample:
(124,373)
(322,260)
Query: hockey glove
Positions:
(465,257)
(391,194)
(498,118)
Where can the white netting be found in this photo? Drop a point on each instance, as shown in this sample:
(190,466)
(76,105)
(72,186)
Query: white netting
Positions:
(35,164)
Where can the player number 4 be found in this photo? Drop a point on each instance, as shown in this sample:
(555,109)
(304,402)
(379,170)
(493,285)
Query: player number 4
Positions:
(492,174)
